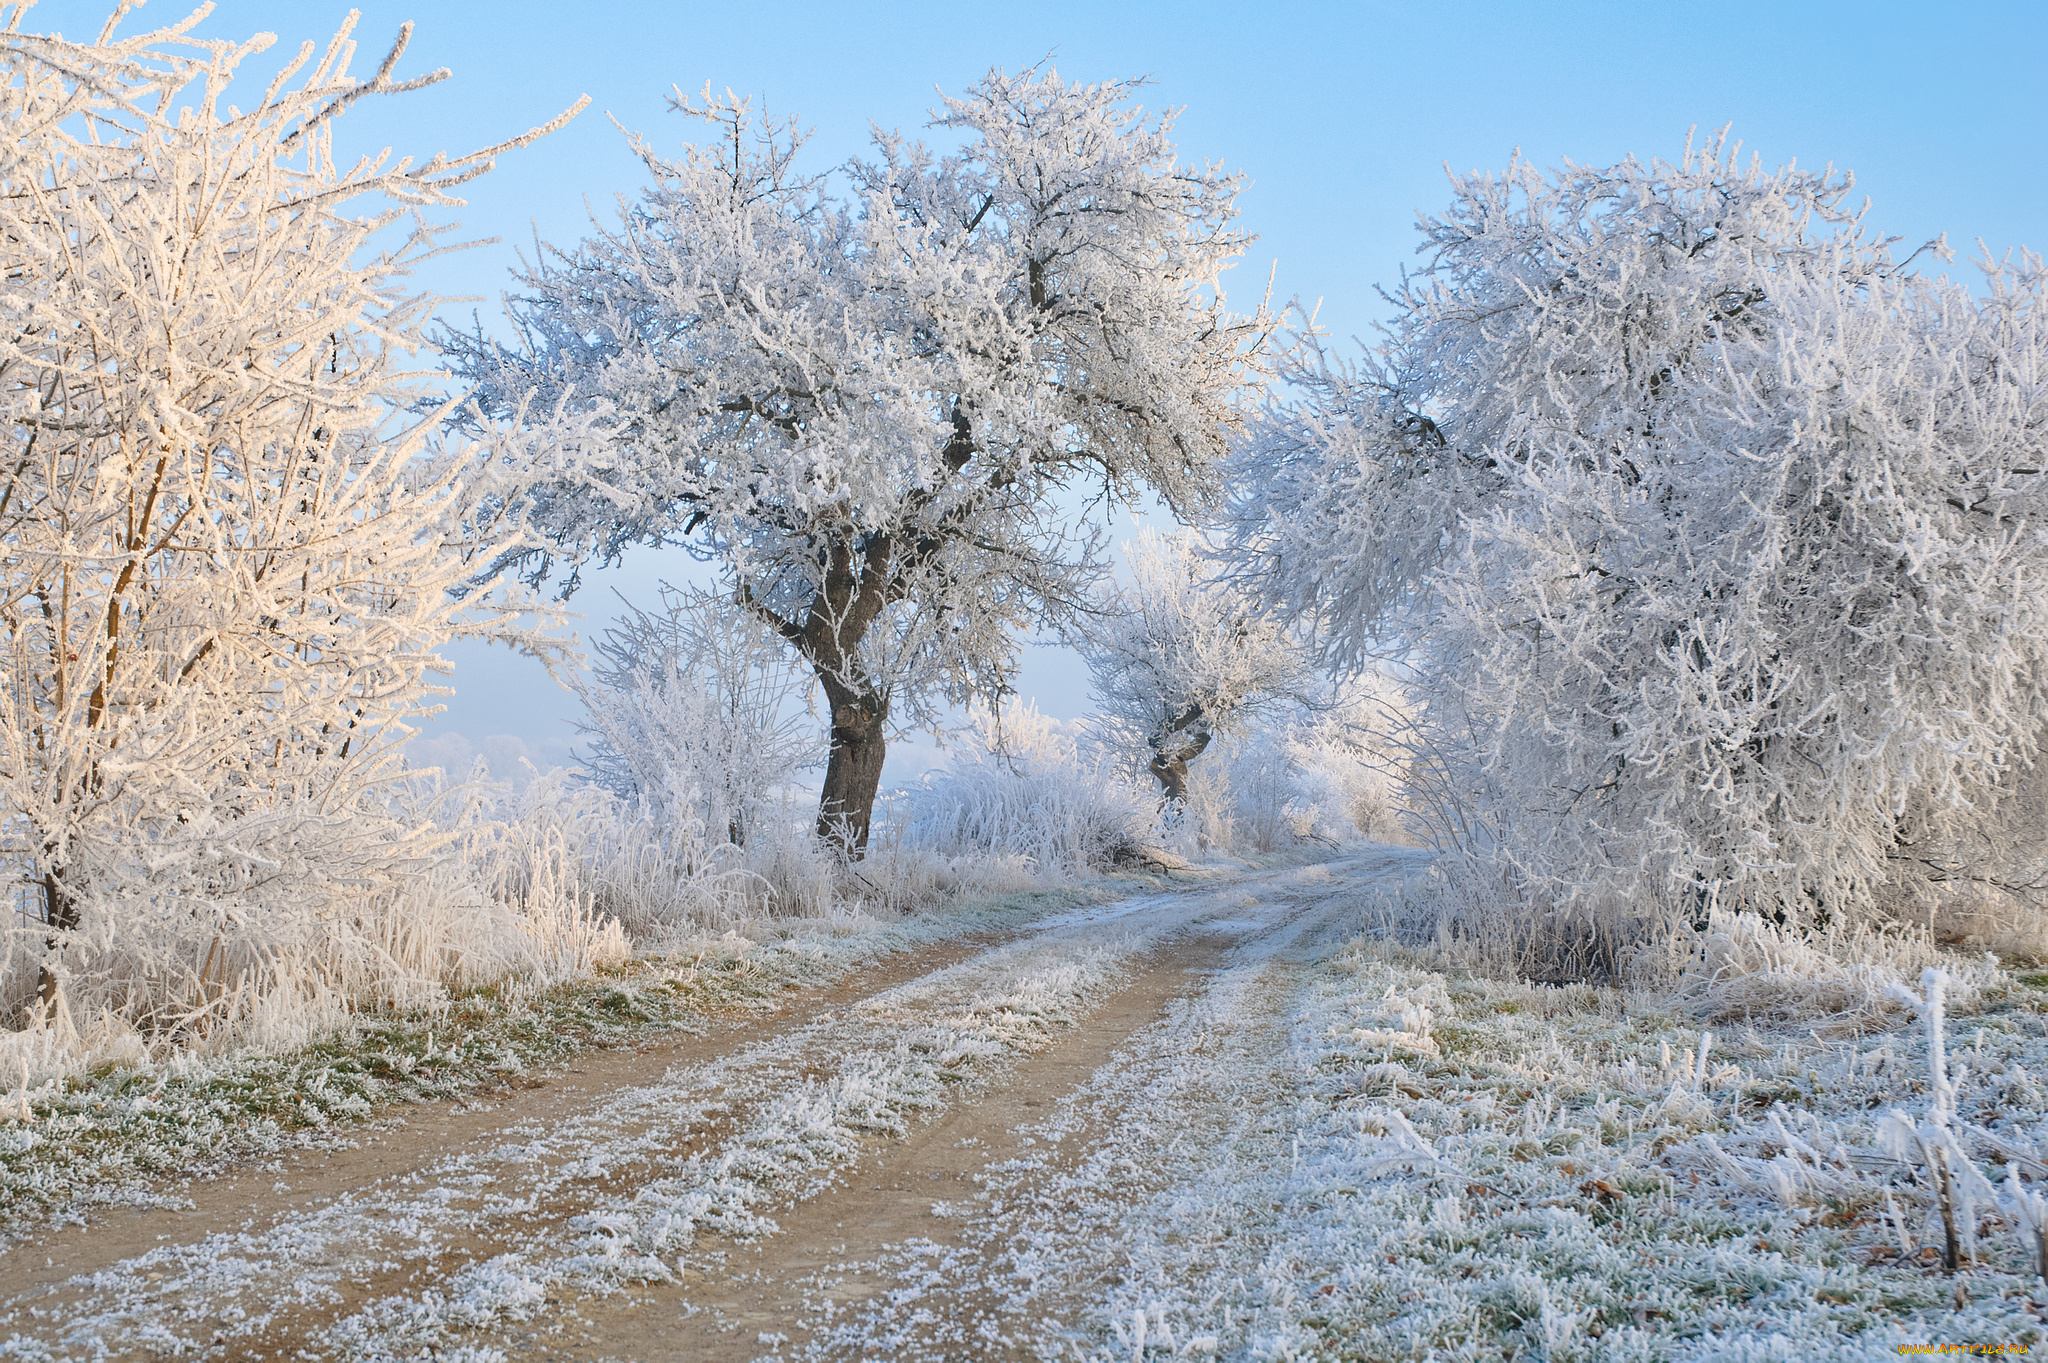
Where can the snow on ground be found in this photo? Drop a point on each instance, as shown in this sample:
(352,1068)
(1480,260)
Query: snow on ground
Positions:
(616,1195)
(1475,1169)
(112,1135)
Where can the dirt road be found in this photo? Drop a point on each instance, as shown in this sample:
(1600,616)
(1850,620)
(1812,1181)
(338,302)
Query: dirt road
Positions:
(952,1159)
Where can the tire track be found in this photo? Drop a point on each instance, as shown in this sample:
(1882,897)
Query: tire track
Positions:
(914,1258)
(1188,1110)
(744,1291)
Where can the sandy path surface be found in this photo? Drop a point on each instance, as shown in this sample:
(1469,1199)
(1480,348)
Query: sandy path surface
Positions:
(831,1257)
(947,1159)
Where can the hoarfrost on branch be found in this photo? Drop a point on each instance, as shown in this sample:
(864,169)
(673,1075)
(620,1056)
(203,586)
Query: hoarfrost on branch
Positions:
(1716,530)
(229,556)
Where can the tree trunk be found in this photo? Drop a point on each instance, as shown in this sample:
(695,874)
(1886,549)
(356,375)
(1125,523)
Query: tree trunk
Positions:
(853,772)
(1169,766)
(865,572)
(60,911)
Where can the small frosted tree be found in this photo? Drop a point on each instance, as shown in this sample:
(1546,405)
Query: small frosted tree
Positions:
(228,560)
(868,405)
(1180,657)
(1716,531)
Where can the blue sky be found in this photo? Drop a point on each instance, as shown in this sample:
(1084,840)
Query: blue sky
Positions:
(1342,115)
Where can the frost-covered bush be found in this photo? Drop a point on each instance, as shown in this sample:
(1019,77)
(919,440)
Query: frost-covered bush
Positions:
(1023,790)
(1746,967)
(1351,768)
(656,875)
(229,551)
(1716,534)
(696,713)
(501,899)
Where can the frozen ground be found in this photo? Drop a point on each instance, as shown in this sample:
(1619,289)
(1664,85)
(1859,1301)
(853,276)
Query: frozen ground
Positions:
(1212,1122)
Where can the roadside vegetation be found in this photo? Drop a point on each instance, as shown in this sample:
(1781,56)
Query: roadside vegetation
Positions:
(1453,1165)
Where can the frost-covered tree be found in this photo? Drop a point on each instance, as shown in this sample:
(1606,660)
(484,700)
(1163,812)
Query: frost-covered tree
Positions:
(868,397)
(227,558)
(1718,532)
(1180,657)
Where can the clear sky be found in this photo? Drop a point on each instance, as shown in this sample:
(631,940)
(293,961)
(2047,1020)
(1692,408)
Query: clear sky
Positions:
(1343,115)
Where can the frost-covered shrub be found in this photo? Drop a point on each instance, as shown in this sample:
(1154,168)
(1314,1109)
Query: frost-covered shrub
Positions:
(1717,535)
(1023,789)
(1742,966)
(229,552)
(498,900)
(1350,767)
(655,874)
(695,713)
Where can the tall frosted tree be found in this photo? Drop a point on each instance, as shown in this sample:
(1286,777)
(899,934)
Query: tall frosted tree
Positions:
(1717,531)
(228,558)
(877,399)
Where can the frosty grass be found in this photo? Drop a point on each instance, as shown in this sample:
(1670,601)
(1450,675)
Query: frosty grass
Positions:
(1453,1167)
(1487,1170)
